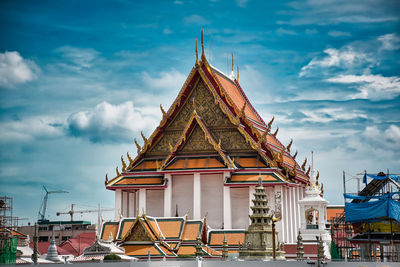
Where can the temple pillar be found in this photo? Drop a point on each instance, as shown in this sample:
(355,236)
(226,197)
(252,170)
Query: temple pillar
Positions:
(168,196)
(227,204)
(196,196)
(290,196)
(117,205)
(142,200)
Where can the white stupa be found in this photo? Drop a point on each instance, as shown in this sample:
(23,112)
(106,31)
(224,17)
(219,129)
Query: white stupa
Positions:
(52,254)
(313,214)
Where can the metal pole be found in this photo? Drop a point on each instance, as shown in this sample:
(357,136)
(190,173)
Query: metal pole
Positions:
(35,244)
(273,241)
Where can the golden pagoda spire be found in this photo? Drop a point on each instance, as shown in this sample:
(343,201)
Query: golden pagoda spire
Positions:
(123,164)
(276,131)
(197,54)
(203,56)
(137,146)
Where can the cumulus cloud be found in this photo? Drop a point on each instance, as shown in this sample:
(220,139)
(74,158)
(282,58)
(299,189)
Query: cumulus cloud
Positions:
(111,123)
(344,57)
(390,41)
(14,69)
(326,115)
(383,140)
(172,79)
(374,87)
(29,129)
(242,3)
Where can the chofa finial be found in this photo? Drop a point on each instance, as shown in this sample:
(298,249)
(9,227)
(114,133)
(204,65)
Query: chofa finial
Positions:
(197,54)
(203,56)
(237,73)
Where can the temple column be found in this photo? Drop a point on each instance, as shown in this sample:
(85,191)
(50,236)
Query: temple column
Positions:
(168,196)
(286,207)
(142,200)
(196,196)
(252,190)
(227,204)
(291,215)
(117,204)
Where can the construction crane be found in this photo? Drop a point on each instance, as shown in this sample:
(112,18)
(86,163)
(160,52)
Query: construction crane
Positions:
(43,206)
(98,210)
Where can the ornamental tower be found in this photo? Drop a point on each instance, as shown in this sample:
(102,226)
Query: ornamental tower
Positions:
(258,241)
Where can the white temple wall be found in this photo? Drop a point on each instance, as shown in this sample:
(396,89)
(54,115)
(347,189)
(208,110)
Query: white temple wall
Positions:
(124,205)
(117,204)
(155,203)
(182,194)
(212,199)
(240,207)
(131,204)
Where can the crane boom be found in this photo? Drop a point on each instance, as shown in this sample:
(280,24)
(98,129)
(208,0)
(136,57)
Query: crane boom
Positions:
(43,207)
(72,211)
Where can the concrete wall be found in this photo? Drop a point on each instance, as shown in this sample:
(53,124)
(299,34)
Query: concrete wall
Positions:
(155,203)
(182,194)
(212,199)
(240,207)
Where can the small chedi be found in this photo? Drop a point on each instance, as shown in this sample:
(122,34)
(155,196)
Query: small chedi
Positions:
(259,238)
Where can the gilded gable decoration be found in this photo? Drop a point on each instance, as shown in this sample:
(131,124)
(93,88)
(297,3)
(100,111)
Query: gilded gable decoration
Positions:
(276,132)
(123,164)
(303,166)
(139,148)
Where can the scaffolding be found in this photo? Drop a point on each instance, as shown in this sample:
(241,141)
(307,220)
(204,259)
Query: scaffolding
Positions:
(8,242)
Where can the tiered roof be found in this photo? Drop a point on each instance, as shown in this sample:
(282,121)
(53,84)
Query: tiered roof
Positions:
(211,125)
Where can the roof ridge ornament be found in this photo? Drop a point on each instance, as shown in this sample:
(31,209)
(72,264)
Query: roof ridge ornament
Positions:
(295,155)
(144,137)
(162,110)
(276,132)
(270,123)
(129,158)
(197,54)
(106,181)
(289,145)
(123,164)
(116,170)
(303,166)
(139,148)
(203,56)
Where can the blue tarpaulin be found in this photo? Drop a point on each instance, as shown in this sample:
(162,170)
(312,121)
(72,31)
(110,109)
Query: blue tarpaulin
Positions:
(372,210)
(378,177)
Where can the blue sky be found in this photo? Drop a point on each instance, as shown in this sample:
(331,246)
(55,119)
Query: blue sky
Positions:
(80,79)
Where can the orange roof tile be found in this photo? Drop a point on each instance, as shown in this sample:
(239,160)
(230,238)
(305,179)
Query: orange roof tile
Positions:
(252,178)
(201,163)
(166,251)
(109,228)
(233,238)
(191,231)
(249,162)
(138,250)
(140,181)
(146,165)
(170,228)
(186,250)
(235,95)
(332,212)
(125,226)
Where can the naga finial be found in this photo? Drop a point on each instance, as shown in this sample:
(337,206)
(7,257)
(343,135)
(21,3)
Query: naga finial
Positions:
(129,158)
(117,171)
(123,164)
(303,166)
(106,181)
(262,138)
(203,56)
(276,132)
(270,123)
(308,170)
(137,146)
(144,137)
(162,110)
(282,153)
(295,154)
(289,145)
(197,54)
(316,178)
(241,112)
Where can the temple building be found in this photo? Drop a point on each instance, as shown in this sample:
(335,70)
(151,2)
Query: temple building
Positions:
(205,157)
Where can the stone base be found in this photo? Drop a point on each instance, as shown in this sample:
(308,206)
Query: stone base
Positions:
(260,254)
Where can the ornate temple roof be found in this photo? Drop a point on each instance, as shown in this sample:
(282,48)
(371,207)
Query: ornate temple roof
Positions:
(211,125)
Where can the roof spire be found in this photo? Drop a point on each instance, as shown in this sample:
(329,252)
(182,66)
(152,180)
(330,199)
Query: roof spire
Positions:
(197,54)
(232,75)
(233,63)
(237,73)
(203,56)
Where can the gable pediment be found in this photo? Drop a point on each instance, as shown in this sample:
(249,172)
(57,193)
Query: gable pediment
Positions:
(138,232)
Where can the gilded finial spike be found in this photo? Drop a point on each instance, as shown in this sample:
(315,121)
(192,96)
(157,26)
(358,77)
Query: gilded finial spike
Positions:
(317,176)
(233,63)
(202,46)
(162,110)
(270,123)
(322,189)
(137,213)
(144,137)
(187,213)
(194,104)
(308,170)
(276,131)
(129,158)
(170,147)
(295,154)
(117,171)
(143,213)
(123,164)
(219,143)
(303,166)
(289,145)
(237,73)
(106,181)
(197,54)
(137,146)
(176,211)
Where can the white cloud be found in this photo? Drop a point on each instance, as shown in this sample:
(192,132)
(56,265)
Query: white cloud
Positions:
(390,41)
(177,2)
(326,115)
(167,31)
(338,33)
(344,57)
(172,79)
(373,87)
(281,31)
(111,123)
(80,57)
(29,129)
(195,19)
(242,3)
(14,69)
